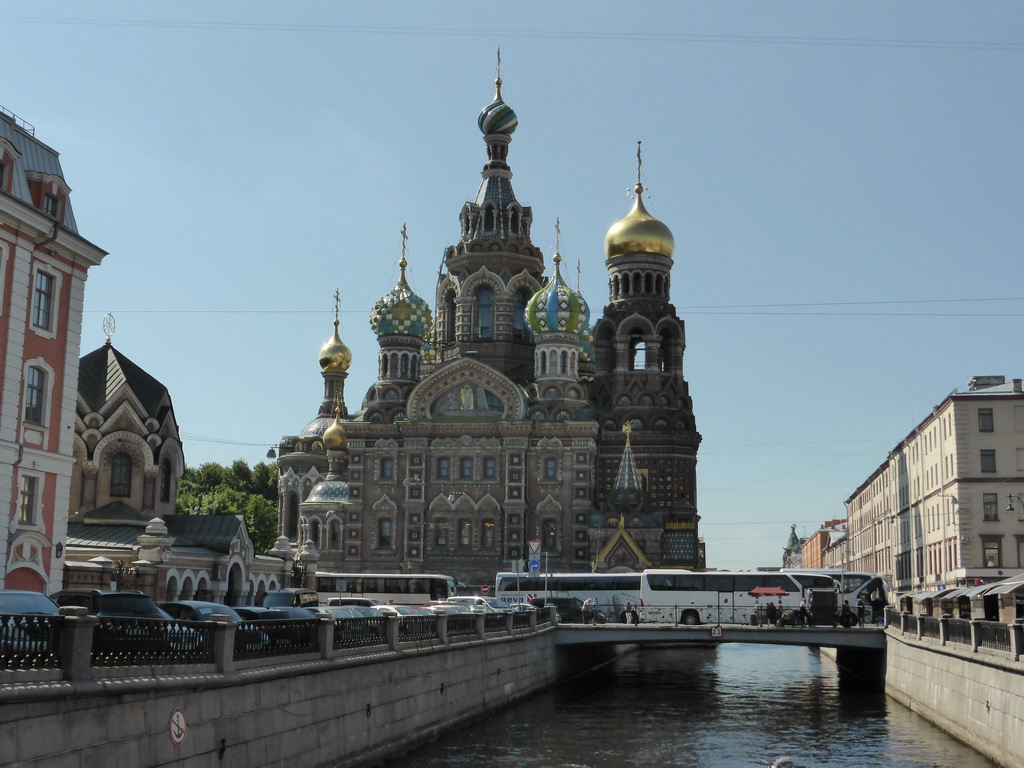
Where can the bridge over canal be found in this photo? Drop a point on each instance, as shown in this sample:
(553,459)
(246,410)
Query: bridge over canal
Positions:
(840,638)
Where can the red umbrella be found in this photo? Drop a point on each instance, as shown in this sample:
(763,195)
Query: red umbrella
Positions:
(767,592)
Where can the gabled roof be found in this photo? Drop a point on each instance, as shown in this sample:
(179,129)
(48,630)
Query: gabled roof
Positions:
(117,511)
(102,536)
(214,532)
(103,371)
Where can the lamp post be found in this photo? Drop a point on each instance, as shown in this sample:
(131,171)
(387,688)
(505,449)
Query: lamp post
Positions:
(1015,497)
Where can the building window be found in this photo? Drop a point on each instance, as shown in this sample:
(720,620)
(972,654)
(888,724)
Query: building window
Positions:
(466,468)
(485,316)
(29,500)
(35,395)
(549,538)
(990,506)
(520,330)
(387,469)
(50,205)
(165,481)
(988,460)
(465,533)
(992,553)
(490,468)
(42,304)
(488,533)
(384,533)
(443,469)
(550,469)
(121,475)
(441,534)
(985,423)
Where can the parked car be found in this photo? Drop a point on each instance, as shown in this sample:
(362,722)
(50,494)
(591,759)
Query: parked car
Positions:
(292,598)
(443,606)
(366,602)
(352,612)
(486,604)
(567,609)
(258,612)
(147,634)
(247,637)
(401,610)
(133,604)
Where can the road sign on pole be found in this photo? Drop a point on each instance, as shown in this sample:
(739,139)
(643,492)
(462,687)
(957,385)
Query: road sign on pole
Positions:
(534,547)
(534,566)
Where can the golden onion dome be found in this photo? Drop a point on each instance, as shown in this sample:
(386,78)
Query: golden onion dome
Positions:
(334,437)
(334,355)
(639,232)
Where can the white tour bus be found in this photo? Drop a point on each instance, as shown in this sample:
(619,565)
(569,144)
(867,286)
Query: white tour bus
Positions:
(714,597)
(853,586)
(611,591)
(399,588)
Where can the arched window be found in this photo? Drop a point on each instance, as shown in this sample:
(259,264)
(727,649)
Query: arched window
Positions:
(334,538)
(165,481)
(485,313)
(384,529)
(638,352)
(520,330)
(404,366)
(291,523)
(465,533)
(563,365)
(121,475)
(488,537)
(489,220)
(550,469)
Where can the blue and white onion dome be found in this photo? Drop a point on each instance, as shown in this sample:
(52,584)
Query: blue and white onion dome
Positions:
(497,117)
(557,307)
(401,312)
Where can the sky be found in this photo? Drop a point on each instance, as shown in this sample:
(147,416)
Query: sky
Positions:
(843,180)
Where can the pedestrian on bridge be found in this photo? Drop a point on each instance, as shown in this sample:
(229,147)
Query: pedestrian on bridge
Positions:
(860,612)
(803,613)
(770,613)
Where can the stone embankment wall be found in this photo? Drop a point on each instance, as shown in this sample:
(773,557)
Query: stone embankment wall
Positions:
(308,713)
(974,694)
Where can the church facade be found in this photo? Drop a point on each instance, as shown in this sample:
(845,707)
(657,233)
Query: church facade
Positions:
(504,425)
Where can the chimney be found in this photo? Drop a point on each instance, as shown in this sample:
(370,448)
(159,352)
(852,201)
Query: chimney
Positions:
(984,382)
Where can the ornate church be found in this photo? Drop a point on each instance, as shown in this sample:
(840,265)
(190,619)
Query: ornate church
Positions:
(504,429)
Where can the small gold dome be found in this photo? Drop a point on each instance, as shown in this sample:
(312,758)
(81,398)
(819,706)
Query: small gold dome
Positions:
(334,355)
(639,232)
(334,437)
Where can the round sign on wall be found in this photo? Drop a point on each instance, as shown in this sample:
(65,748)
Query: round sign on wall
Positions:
(178,727)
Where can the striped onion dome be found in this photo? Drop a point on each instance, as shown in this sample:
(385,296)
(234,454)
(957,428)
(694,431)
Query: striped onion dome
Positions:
(557,307)
(401,312)
(497,117)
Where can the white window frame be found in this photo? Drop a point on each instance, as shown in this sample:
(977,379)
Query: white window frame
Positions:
(58,284)
(35,519)
(42,365)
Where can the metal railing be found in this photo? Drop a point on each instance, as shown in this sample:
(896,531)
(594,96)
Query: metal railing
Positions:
(959,631)
(78,643)
(359,632)
(30,642)
(994,635)
(931,627)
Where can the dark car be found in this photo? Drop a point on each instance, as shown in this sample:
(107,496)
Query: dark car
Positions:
(293,598)
(96,602)
(247,636)
(567,609)
(259,613)
(130,624)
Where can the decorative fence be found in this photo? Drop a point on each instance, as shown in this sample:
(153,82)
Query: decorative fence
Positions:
(78,645)
(994,637)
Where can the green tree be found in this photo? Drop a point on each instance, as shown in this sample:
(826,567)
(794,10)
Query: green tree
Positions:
(213,489)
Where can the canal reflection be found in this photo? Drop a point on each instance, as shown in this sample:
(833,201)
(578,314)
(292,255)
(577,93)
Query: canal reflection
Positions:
(715,707)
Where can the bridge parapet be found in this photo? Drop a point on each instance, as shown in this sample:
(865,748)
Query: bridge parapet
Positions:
(972,635)
(78,647)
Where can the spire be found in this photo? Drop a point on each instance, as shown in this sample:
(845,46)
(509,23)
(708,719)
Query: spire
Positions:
(628,477)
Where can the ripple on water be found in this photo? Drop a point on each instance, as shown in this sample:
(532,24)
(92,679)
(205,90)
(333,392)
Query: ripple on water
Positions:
(733,706)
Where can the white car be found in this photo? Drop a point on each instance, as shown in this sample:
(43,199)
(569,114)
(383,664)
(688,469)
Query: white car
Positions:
(486,604)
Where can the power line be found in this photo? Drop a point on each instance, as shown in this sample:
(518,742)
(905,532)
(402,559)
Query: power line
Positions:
(652,37)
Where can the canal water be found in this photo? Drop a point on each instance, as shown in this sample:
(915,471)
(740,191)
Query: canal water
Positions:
(718,707)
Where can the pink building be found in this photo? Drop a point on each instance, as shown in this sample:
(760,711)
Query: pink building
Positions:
(43,268)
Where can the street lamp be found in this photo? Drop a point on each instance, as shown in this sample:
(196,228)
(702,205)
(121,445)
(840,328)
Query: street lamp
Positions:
(1012,497)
